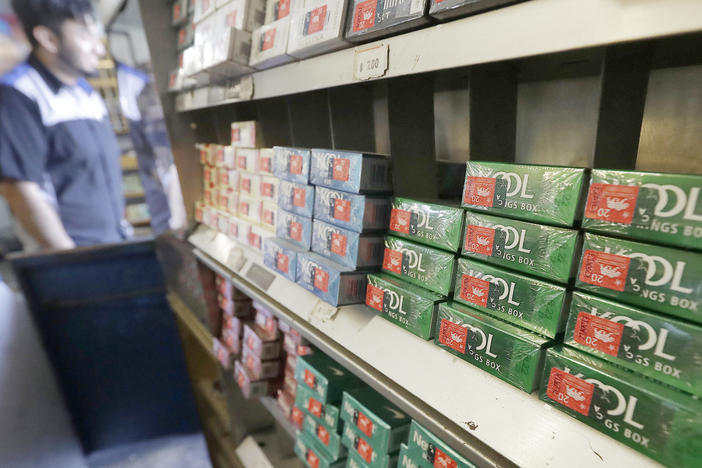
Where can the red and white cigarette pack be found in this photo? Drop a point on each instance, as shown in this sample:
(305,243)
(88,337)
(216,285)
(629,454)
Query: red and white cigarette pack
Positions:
(260,369)
(269,45)
(262,345)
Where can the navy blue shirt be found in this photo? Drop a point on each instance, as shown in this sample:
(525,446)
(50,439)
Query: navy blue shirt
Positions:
(60,137)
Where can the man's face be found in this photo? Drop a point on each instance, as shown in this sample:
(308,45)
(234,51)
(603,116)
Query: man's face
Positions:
(81,45)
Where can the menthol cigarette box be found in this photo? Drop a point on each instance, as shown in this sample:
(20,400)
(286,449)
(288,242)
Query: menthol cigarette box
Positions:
(427,450)
(312,454)
(658,278)
(329,441)
(654,419)
(351,211)
(333,283)
(324,376)
(649,206)
(541,194)
(294,228)
(435,225)
(447,9)
(326,414)
(351,171)
(661,347)
(508,352)
(244,134)
(317,28)
(292,164)
(420,265)
(544,251)
(370,19)
(522,300)
(409,306)
(269,44)
(281,256)
(362,452)
(296,198)
(383,425)
(348,248)
(404,460)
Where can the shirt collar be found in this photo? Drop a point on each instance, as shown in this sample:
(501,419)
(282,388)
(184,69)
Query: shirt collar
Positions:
(49,78)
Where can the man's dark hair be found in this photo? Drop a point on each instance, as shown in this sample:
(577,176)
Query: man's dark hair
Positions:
(49,13)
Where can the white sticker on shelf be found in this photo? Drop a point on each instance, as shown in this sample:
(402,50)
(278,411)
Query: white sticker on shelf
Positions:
(235,259)
(370,62)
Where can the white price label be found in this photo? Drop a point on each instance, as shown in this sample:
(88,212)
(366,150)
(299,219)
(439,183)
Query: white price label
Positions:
(370,62)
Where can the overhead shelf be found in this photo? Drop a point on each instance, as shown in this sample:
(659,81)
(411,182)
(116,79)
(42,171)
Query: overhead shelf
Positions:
(544,26)
(484,418)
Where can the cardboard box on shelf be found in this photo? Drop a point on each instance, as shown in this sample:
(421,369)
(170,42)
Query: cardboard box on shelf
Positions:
(291,164)
(294,228)
(296,198)
(382,424)
(654,419)
(662,279)
(246,159)
(348,248)
(661,347)
(439,226)
(265,161)
(357,213)
(259,369)
(281,256)
(324,376)
(317,28)
(371,19)
(537,305)
(648,206)
(351,171)
(545,251)
(508,352)
(333,283)
(419,264)
(262,345)
(270,44)
(540,194)
(409,306)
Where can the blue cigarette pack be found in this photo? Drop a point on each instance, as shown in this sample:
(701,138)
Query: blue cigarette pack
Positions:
(296,198)
(349,248)
(357,213)
(333,283)
(281,256)
(292,164)
(294,228)
(351,171)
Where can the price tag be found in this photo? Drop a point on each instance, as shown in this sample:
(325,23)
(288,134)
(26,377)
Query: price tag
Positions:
(370,62)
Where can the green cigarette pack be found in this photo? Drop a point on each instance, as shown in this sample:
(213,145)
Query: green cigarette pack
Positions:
(418,264)
(650,417)
(658,278)
(308,401)
(404,460)
(355,460)
(530,303)
(409,306)
(327,440)
(363,453)
(382,424)
(650,206)
(312,454)
(435,225)
(505,351)
(324,376)
(427,450)
(661,347)
(541,194)
(544,251)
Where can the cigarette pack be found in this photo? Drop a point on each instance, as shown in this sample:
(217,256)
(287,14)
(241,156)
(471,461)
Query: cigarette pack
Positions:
(259,369)
(370,19)
(292,164)
(296,198)
(348,248)
(249,208)
(329,441)
(649,417)
(294,228)
(351,211)
(427,450)
(313,456)
(281,256)
(268,188)
(327,379)
(317,28)
(265,161)
(447,9)
(419,264)
(435,225)
(269,45)
(250,184)
(249,387)
(246,158)
(541,194)
(260,344)
(508,352)
(279,9)
(269,212)
(244,134)
(361,452)
(333,283)
(326,414)
(351,171)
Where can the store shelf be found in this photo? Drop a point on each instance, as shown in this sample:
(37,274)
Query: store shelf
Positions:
(273,408)
(532,28)
(484,418)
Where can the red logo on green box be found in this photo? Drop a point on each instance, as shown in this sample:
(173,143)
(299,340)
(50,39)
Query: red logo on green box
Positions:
(570,391)
(453,335)
(479,191)
(604,269)
(400,220)
(392,261)
(365,424)
(479,239)
(323,434)
(475,290)
(313,406)
(598,333)
(614,203)
(374,297)
(441,460)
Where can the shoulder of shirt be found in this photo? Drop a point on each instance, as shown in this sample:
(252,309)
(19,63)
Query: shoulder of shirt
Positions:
(13,76)
(140,74)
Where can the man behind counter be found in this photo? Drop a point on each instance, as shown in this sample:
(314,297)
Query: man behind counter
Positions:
(59,158)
